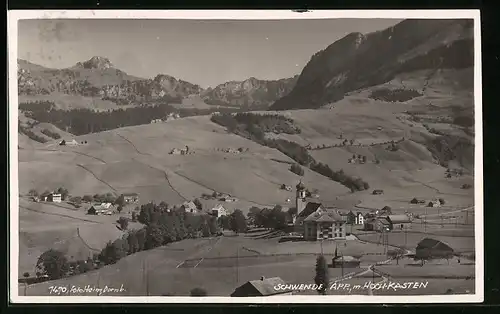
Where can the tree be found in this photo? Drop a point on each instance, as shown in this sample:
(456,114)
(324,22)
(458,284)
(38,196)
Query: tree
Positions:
(64,193)
(154,236)
(441,201)
(321,278)
(198,292)
(53,264)
(76,199)
(120,201)
(134,216)
(212,224)
(396,254)
(198,204)
(141,239)
(238,222)
(297,169)
(88,198)
(113,252)
(119,208)
(205,229)
(33,192)
(133,243)
(123,223)
(224,222)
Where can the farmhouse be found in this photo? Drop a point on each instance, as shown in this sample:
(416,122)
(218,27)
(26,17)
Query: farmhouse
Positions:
(345,262)
(434,203)
(71,143)
(431,248)
(399,221)
(131,198)
(189,207)
(261,288)
(417,201)
(54,197)
(175,151)
(99,210)
(219,211)
(377,224)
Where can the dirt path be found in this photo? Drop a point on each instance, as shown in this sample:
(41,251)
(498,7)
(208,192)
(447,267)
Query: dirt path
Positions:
(95,176)
(166,178)
(136,149)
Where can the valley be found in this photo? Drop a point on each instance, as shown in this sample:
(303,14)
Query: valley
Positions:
(360,139)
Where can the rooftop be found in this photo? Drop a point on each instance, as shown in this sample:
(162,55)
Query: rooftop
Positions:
(262,287)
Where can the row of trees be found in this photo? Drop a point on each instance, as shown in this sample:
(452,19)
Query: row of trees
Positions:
(51,134)
(271,218)
(395,95)
(238,125)
(83,120)
(355,184)
(29,133)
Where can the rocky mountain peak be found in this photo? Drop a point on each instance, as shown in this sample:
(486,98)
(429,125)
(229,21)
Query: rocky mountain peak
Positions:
(96,62)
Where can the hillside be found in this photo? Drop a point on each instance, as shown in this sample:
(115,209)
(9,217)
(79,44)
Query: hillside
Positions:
(360,61)
(249,93)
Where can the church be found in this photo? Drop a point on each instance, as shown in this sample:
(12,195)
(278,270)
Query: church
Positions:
(314,221)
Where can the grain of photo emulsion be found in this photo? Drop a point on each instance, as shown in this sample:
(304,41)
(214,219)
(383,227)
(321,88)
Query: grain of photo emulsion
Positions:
(244,156)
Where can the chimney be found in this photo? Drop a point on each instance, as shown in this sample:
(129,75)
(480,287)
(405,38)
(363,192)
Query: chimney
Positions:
(262,278)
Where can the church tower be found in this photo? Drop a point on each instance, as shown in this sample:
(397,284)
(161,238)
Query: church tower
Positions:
(300,197)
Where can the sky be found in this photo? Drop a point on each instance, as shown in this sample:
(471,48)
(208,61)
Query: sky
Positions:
(206,53)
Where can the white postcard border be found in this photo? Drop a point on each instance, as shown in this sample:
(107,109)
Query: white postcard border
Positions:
(14,16)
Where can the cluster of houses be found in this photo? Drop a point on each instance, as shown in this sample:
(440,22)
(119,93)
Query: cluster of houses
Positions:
(431,203)
(48,197)
(169,117)
(73,142)
(357,159)
(232,150)
(316,222)
(182,151)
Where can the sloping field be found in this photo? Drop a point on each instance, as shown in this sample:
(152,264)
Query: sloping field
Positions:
(44,225)
(137,159)
(45,175)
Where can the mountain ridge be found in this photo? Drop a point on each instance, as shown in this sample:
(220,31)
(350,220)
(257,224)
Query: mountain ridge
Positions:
(358,61)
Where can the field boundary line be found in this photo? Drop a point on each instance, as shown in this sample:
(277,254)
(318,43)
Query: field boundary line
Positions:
(60,215)
(95,176)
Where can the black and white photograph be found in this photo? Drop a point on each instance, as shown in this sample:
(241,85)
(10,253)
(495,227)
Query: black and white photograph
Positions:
(245,156)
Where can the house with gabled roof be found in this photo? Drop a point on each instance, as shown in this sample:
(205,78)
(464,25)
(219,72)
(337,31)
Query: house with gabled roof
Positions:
(262,287)
(189,207)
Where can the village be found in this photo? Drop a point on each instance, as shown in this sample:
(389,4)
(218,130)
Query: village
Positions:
(337,231)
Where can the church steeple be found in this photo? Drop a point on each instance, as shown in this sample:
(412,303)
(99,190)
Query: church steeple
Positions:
(300,197)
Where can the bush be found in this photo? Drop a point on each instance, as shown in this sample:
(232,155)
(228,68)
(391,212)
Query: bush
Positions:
(396,95)
(51,134)
(123,221)
(297,169)
(53,264)
(76,199)
(441,201)
(466,186)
